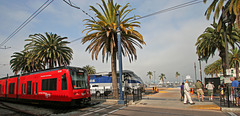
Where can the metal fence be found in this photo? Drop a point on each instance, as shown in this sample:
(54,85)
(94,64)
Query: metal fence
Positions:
(133,94)
(229,97)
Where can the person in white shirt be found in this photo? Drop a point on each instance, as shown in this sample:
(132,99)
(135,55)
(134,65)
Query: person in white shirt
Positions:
(187,94)
(210,87)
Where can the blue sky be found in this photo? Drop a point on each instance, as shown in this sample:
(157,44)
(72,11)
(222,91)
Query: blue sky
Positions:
(170,37)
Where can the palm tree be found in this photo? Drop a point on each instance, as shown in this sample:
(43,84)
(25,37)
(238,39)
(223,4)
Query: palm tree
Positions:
(90,69)
(102,35)
(212,40)
(214,68)
(21,62)
(162,77)
(235,60)
(231,7)
(149,74)
(177,75)
(51,49)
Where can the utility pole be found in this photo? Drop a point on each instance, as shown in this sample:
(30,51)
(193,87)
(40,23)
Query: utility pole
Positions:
(200,68)
(195,71)
(154,77)
(121,101)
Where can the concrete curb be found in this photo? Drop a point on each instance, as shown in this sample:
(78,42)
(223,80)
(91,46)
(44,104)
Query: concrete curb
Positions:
(187,109)
(224,109)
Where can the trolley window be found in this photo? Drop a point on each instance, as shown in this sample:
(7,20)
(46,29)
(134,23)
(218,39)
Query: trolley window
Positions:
(49,84)
(11,88)
(79,79)
(29,85)
(33,88)
(64,82)
(36,88)
(22,88)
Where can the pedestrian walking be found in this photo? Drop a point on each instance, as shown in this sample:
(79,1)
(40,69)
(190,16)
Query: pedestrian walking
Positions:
(199,86)
(187,94)
(210,88)
(182,91)
(235,84)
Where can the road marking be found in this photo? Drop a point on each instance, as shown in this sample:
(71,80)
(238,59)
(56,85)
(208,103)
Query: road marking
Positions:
(232,114)
(96,111)
(114,111)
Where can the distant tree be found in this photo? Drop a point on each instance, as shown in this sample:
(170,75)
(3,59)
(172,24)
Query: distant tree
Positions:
(162,77)
(90,69)
(235,60)
(149,74)
(177,75)
(214,68)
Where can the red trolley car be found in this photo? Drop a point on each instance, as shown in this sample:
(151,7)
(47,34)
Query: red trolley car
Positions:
(62,85)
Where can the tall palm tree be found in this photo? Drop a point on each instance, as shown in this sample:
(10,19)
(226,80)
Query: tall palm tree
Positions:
(90,69)
(177,75)
(235,60)
(162,77)
(231,6)
(102,35)
(149,74)
(51,49)
(212,40)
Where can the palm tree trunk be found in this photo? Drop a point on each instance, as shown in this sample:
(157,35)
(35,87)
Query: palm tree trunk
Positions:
(223,57)
(237,20)
(114,76)
(237,70)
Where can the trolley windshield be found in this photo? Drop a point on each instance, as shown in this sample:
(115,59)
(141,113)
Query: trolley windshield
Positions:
(79,79)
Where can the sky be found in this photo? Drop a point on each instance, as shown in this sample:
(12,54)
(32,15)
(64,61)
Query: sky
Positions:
(170,37)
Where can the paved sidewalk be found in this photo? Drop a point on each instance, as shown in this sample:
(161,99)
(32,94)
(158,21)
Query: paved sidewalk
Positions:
(170,98)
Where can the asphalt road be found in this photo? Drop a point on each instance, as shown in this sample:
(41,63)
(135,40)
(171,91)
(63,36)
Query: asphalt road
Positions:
(150,111)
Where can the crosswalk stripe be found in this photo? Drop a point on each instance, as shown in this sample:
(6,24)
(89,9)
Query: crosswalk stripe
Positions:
(232,114)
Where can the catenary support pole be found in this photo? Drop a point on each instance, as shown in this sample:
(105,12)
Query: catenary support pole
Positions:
(121,101)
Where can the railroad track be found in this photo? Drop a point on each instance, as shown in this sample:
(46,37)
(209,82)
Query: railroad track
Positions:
(17,111)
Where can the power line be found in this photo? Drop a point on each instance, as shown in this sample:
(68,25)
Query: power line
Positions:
(170,9)
(45,5)
(5,47)
(76,39)
(158,12)
(30,18)
(74,6)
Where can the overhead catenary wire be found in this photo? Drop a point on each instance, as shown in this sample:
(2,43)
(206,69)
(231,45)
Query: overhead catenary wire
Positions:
(74,6)
(152,14)
(47,3)
(29,19)
(170,9)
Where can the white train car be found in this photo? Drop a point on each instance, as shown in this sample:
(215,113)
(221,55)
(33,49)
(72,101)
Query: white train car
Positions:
(129,80)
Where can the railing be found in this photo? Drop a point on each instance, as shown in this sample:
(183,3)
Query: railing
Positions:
(229,96)
(133,94)
(137,94)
